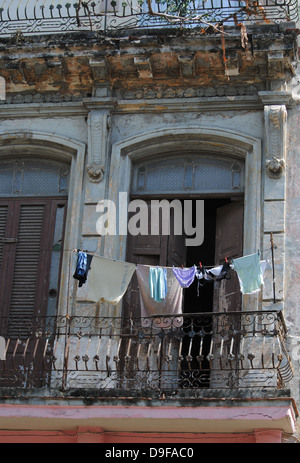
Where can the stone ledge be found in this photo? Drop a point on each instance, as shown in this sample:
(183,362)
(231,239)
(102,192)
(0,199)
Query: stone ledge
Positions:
(148,416)
(94,396)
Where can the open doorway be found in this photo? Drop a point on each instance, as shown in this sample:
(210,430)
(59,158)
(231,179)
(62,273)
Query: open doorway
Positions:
(181,355)
(199,297)
(223,219)
(223,238)
(188,345)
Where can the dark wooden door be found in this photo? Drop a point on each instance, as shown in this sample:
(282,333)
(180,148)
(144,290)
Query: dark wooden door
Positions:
(229,243)
(162,250)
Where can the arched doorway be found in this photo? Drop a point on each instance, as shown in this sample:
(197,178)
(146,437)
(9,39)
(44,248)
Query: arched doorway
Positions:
(219,182)
(190,178)
(223,169)
(33,207)
(33,200)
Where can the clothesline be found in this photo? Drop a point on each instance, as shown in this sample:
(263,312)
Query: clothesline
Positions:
(227,259)
(109,278)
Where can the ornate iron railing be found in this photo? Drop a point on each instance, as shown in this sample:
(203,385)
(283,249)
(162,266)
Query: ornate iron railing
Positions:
(192,351)
(38,16)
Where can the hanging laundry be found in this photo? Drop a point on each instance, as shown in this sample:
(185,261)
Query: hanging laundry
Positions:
(263,265)
(185,276)
(249,273)
(108,279)
(171,305)
(82,267)
(203,274)
(158,283)
(224,272)
(216,270)
(203,277)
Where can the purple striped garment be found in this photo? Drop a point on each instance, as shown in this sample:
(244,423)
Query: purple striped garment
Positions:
(185,276)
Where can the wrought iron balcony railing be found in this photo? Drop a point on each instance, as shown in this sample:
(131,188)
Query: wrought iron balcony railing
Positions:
(193,351)
(44,16)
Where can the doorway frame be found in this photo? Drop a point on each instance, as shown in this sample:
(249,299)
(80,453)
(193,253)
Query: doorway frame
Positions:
(193,139)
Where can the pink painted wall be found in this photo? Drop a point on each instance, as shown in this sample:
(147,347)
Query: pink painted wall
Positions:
(95,435)
(22,429)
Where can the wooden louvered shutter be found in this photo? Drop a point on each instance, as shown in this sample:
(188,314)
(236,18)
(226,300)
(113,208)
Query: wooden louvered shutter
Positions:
(6,214)
(3,222)
(31,230)
(25,283)
(26,257)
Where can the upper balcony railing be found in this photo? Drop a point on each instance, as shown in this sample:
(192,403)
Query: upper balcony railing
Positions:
(53,16)
(233,350)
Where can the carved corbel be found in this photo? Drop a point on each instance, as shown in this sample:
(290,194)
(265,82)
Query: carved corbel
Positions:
(99,126)
(187,65)
(144,68)
(99,69)
(275,63)
(95,172)
(275,167)
(275,125)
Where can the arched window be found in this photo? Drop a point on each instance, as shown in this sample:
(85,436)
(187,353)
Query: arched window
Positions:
(189,174)
(33,177)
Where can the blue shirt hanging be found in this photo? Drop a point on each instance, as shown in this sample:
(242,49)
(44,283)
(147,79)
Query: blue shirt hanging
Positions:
(158,283)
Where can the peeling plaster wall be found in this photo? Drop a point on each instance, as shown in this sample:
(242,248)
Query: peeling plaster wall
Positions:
(103,102)
(72,127)
(248,122)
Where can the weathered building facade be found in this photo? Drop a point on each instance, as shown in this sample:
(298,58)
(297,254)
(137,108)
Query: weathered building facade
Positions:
(143,113)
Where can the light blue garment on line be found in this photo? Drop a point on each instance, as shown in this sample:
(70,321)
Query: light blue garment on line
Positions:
(249,273)
(158,283)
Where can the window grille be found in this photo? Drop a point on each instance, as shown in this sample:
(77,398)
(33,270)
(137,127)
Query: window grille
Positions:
(189,174)
(33,178)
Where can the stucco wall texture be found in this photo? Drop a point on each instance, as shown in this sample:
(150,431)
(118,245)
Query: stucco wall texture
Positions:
(107,104)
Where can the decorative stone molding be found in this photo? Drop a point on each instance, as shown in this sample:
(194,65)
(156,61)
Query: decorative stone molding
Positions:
(98,127)
(165,92)
(275,136)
